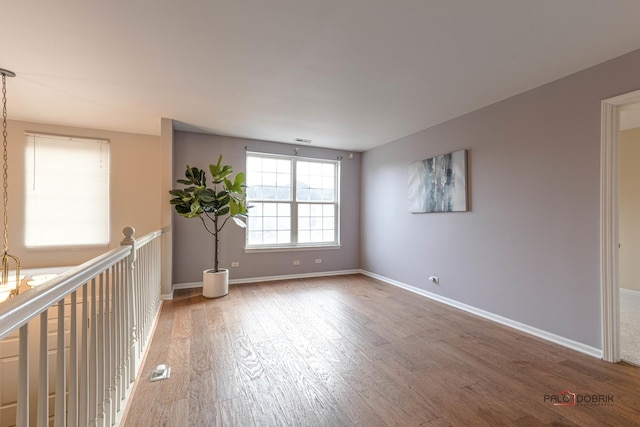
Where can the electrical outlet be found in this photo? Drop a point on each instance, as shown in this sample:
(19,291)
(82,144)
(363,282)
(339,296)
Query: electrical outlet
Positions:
(235,264)
(296,262)
(318,260)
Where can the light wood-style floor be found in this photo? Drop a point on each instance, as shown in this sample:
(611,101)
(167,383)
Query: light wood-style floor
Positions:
(349,350)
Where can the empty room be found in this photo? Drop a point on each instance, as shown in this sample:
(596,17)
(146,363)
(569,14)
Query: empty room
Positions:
(320,213)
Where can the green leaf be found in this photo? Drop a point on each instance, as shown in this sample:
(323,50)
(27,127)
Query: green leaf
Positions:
(238,184)
(237,219)
(237,208)
(223,211)
(207,195)
(182,209)
(218,172)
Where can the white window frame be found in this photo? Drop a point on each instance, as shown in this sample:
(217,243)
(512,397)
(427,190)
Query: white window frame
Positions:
(294,245)
(32,162)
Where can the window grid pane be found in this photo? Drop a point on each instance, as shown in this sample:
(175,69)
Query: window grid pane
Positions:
(268,178)
(315,181)
(318,226)
(269,224)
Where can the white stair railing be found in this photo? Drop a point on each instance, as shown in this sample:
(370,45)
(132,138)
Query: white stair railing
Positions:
(70,348)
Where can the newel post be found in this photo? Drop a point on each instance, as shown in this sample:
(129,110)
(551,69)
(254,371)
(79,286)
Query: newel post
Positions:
(130,296)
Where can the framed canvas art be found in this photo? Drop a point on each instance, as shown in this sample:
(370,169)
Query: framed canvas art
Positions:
(439,184)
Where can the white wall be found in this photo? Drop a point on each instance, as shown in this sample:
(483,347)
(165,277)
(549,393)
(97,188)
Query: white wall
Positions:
(529,248)
(134,185)
(630,209)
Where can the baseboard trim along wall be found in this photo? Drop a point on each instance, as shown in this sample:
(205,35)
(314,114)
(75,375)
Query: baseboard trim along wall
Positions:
(190,285)
(565,342)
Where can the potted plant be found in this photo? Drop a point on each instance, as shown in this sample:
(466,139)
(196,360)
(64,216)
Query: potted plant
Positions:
(215,205)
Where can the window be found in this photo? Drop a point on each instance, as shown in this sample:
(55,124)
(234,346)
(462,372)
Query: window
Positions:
(67,191)
(295,201)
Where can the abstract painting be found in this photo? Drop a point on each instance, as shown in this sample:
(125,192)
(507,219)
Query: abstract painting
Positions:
(439,184)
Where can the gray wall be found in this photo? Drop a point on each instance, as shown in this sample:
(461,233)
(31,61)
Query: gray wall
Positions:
(529,248)
(193,247)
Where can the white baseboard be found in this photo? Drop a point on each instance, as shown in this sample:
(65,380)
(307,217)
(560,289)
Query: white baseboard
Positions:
(190,285)
(293,276)
(565,342)
(632,292)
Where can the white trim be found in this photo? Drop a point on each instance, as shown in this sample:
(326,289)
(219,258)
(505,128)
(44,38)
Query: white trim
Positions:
(187,285)
(264,249)
(565,342)
(122,415)
(190,285)
(294,203)
(609,144)
(293,276)
(609,241)
(167,297)
(630,292)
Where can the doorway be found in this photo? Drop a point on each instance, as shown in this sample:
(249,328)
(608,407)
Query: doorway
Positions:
(629,231)
(610,245)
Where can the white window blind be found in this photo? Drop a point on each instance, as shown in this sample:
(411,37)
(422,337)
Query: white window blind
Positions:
(67,191)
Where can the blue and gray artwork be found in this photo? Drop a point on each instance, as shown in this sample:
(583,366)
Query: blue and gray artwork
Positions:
(439,184)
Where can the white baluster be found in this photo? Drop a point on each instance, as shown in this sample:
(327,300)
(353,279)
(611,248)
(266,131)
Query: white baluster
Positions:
(83,417)
(115,395)
(73,362)
(140,297)
(122,332)
(93,357)
(108,349)
(22,418)
(61,371)
(100,350)
(43,373)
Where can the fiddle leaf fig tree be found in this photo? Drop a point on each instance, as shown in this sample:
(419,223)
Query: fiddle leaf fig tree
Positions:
(215,205)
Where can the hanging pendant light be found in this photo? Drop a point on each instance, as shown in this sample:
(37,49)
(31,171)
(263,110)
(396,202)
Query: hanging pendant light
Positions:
(10,284)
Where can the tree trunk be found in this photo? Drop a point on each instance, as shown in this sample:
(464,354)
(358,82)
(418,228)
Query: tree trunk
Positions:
(215,248)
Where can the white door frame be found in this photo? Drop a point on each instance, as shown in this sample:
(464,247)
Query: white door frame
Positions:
(609,239)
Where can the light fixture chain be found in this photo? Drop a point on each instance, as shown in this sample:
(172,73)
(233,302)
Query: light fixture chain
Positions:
(5,185)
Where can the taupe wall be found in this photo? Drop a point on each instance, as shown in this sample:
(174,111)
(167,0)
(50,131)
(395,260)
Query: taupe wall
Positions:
(135,198)
(193,247)
(529,248)
(630,209)
(166,184)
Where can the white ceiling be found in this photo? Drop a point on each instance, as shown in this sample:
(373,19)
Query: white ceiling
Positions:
(349,74)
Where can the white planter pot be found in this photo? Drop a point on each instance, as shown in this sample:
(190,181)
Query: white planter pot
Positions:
(215,285)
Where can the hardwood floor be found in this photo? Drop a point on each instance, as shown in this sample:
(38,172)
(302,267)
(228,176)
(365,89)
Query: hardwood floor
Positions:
(350,350)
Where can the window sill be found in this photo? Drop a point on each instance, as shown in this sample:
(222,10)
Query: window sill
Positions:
(264,249)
